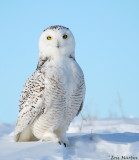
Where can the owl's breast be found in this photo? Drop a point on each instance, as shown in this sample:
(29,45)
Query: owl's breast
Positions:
(66,73)
(61,88)
(62,97)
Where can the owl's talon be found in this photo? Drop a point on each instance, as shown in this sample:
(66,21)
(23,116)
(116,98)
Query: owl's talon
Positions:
(65,144)
(59,142)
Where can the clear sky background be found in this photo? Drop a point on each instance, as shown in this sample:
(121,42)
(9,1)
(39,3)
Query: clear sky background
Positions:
(107,49)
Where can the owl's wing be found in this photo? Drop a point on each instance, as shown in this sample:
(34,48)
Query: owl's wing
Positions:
(31,101)
(80,94)
(77,98)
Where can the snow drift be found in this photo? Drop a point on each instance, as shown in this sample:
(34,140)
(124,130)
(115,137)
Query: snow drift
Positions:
(97,140)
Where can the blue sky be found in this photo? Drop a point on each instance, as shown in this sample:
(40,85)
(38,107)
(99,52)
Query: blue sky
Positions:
(107,49)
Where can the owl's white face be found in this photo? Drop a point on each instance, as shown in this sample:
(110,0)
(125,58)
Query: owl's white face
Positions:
(56,41)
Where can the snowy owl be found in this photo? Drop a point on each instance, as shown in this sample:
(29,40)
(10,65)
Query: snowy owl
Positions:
(54,94)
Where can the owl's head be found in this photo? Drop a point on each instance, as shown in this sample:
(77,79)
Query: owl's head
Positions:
(56,41)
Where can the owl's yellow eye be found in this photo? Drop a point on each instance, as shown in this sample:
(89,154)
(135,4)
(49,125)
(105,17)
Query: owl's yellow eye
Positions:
(49,38)
(65,36)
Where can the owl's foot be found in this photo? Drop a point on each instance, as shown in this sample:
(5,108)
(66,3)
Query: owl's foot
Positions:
(65,144)
(64,140)
(49,137)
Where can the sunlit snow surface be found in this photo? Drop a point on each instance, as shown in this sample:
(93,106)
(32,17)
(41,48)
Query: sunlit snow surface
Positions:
(90,140)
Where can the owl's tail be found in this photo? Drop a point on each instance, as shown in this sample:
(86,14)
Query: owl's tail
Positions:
(24,136)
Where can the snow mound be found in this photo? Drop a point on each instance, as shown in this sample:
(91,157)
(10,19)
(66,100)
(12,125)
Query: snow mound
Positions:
(97,140)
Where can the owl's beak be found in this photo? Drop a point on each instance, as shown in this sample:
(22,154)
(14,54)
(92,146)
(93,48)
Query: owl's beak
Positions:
(57,44)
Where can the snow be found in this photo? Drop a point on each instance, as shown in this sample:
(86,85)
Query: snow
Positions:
(97,140)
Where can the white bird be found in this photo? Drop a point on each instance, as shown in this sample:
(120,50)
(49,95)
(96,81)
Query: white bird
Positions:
(54,94)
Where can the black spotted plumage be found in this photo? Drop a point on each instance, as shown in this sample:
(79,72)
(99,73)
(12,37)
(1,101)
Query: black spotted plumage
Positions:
(58,27)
